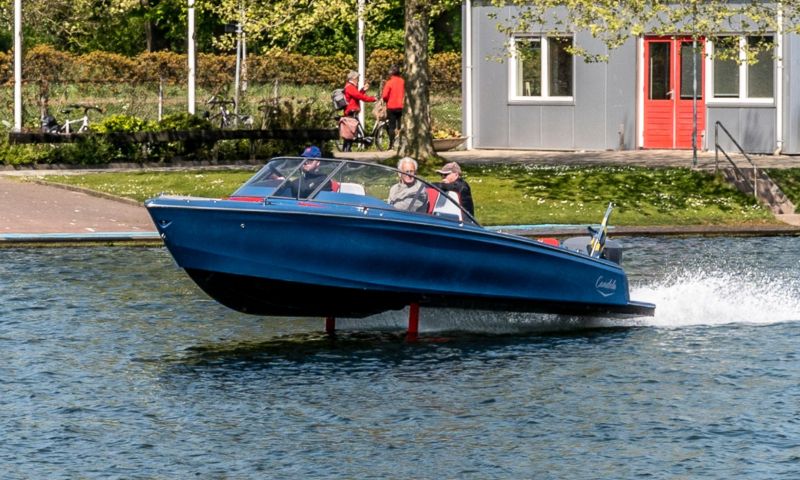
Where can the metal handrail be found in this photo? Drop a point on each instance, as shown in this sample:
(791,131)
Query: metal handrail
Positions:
(718,148)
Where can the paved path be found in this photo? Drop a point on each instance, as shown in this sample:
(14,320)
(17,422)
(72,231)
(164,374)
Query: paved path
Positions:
(28,208)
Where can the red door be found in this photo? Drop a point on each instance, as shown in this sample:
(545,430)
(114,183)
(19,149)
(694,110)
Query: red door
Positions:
(668,94)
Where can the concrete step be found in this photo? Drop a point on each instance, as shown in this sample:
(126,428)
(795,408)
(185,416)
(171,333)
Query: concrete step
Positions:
(767,191)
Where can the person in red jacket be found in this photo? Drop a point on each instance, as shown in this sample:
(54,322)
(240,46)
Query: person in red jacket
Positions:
(393,93)
(353,95)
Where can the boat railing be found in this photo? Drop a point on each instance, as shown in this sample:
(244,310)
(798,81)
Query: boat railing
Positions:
(718,148)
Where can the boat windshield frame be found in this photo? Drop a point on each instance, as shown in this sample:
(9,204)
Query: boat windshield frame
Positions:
(339,164)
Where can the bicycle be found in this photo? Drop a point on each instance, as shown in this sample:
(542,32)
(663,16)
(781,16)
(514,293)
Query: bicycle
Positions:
(379,136)
(225,118)
(49,123)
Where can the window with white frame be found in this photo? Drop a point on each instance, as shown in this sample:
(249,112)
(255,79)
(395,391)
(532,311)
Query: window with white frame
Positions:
(742,81)
(541,68)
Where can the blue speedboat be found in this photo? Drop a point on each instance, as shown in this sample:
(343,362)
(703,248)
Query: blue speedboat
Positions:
(290,243)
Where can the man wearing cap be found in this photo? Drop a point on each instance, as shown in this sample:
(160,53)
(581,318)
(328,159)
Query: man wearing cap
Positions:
(409,193)
(310,178)
(452,181)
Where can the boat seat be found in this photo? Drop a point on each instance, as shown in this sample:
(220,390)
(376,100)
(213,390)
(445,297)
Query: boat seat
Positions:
(433,195)
(353,188)
(442,207)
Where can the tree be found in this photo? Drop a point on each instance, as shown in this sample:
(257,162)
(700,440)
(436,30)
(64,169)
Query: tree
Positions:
(416,139)
(287,22)
(614,22)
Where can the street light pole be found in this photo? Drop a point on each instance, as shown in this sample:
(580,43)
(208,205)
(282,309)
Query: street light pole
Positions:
(361,55)
(694,85)
(694,100)
(17,65)
(191,66)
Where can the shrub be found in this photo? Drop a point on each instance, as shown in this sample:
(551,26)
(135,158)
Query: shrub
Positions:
(6,67)
(103,67)
(151,67)
(43,63)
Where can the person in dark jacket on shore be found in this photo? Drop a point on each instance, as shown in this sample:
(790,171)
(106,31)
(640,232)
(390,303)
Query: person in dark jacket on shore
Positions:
(452,182)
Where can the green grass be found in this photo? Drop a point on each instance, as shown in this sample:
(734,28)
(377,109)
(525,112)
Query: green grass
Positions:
(516,194)
(789,181)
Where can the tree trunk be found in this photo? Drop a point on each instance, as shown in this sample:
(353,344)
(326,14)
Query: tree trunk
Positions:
(415,136)
(155,35)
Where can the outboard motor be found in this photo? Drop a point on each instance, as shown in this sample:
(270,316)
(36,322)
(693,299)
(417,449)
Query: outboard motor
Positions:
(612,250)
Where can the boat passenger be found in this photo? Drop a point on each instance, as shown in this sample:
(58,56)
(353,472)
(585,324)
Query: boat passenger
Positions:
(310,178)
(453,182)
(409,193)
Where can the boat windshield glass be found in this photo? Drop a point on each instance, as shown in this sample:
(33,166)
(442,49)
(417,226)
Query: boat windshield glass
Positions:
(349,182)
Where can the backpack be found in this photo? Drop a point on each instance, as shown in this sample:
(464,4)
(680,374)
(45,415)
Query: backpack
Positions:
(339,102)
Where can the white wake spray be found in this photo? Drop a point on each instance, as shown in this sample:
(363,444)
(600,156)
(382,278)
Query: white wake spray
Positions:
(721,297)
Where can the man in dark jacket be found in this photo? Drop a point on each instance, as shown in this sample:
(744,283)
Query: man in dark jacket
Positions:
(310,177)
(452,181)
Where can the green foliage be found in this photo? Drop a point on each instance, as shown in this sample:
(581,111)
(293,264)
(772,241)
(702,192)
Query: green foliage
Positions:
(612,23)
(123,123)
(131,107)
(46,65)
(92,151)
(183,121)
(789,181)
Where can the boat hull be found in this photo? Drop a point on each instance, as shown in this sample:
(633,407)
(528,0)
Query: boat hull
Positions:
(260,296)
(309,260)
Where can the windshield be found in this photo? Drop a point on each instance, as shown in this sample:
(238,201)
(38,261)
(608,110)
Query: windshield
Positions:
(349,181)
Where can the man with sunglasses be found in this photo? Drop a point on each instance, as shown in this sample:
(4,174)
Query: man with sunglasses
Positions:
(452,181)
(409,193)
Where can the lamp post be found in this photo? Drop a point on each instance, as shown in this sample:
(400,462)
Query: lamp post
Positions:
(17,65)
(191,53)
(361,55)
(694,100)
(694,85)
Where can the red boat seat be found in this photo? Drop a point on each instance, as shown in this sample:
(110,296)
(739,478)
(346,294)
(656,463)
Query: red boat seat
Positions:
(438,205)
(549,240)
(433,195)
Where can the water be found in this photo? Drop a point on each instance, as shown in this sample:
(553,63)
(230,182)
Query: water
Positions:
(116,366)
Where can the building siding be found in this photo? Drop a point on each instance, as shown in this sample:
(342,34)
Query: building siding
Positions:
(603,113)
(604,98)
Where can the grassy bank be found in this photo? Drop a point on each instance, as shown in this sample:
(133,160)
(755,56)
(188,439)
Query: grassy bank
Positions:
(516,194)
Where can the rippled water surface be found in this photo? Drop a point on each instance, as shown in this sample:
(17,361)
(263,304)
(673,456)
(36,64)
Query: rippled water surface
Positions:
(114,365)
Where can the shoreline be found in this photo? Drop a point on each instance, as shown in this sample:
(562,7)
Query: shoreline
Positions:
(38,213)
(153,240)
